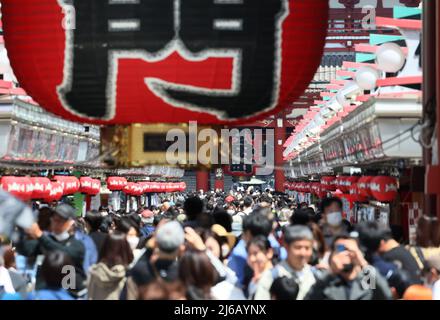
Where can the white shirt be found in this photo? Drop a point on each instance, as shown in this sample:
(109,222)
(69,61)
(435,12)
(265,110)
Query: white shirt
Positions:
(5,280)
(436,290)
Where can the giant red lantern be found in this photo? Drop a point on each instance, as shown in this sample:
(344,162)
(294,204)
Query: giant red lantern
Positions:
(41,187)
(384,188)
(116,183)
(364,186)
(199,60)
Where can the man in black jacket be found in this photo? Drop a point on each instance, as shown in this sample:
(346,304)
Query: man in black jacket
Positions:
(39,243)
(350,276)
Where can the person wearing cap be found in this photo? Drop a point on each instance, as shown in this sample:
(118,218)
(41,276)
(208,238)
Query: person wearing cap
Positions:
(147,218)
(39,243)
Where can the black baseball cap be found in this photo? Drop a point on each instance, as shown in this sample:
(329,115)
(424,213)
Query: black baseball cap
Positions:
(65,211)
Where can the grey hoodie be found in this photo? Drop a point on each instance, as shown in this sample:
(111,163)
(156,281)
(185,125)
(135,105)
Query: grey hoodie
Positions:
(106,283)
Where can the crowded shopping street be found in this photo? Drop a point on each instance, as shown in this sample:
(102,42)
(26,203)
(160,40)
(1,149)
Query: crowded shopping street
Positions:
(250,150)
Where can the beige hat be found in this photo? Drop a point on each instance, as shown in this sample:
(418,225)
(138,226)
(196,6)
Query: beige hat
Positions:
(221,232)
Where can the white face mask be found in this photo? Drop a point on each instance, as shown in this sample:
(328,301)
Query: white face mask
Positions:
(231,211)
(62,236)
(133,242)
(334,219)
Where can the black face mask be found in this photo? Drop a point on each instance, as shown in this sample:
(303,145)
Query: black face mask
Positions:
(348,268)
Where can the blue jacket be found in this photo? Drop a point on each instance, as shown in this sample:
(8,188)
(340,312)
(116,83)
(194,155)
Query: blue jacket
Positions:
(91,253)
(146,231)
(51,294)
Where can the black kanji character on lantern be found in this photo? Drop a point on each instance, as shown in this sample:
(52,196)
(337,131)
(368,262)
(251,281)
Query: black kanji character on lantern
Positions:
(104,27)
(247,30)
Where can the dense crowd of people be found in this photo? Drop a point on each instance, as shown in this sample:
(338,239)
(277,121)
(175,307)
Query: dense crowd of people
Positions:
(221,246)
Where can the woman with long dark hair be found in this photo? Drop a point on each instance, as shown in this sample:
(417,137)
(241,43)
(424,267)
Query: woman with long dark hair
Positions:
(107,278)
(197,274)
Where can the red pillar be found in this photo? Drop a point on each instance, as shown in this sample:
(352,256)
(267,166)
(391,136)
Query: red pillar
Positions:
(219,184)
(429,86)
(437,85)
(431,81)
(280,137)
(202,179)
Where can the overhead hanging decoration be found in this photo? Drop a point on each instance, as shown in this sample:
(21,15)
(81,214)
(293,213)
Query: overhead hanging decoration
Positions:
(56,192)
(118,62)
(116,183)
(363,185)
(384,188)
(41,187)
(20,187)
(355,194)
(70,184)
(328,183)
(90,186)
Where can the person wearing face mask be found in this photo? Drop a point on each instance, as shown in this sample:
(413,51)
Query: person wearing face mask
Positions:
(215,241)
(59,239)
(350,276)
(128,226)
(332,221)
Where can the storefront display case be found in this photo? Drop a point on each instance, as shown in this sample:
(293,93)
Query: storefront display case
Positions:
(31,135)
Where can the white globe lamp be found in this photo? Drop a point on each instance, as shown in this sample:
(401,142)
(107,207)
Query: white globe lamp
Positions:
(390,57)
(366,78)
